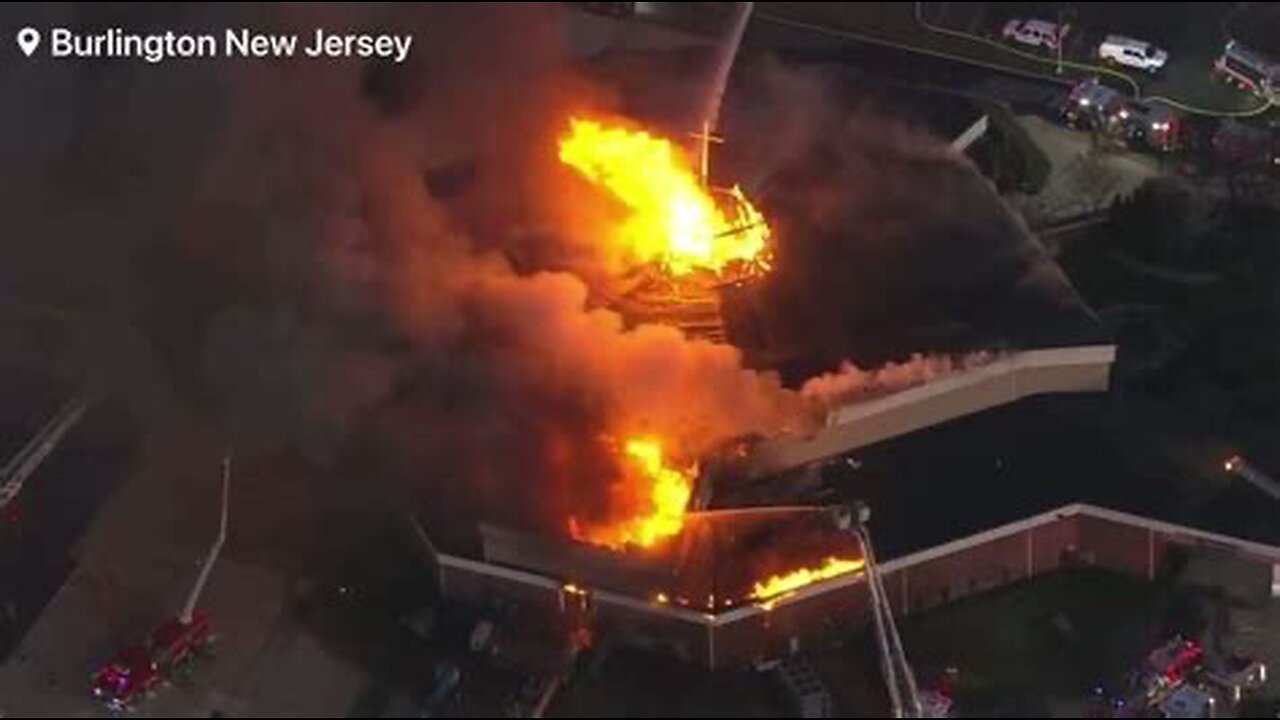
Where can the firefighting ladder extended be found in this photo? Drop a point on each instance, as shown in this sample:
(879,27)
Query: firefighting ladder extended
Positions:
(15,473)
(214,551)
(904,693)
(900,680)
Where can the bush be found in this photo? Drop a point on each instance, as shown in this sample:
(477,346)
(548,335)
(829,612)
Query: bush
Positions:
(1018,155)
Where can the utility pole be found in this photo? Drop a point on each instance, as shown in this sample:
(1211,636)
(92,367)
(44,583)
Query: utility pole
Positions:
(1061,37)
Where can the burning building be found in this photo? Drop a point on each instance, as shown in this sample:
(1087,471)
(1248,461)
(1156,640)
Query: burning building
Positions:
(753,564)
(329,280)
(689,521)
(697,550)
(676,240)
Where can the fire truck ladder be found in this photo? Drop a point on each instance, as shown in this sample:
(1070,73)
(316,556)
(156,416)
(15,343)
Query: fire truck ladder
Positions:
(900,679)
(904,693)
(903,689)
(189,608)
(28,460)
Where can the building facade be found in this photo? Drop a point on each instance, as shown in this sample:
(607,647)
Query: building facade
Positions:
(1077,534)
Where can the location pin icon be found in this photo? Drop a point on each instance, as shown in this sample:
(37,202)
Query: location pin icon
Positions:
(28,40)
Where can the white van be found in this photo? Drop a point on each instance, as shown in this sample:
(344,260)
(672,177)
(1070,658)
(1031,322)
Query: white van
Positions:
(1132,53)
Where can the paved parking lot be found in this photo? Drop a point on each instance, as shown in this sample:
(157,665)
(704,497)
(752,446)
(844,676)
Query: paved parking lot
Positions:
(1193,33)
(264,664)
(134,567)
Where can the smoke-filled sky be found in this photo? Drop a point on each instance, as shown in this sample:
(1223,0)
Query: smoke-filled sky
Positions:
(266,244)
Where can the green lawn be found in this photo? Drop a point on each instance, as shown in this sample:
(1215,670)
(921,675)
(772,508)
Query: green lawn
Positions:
(1054,637)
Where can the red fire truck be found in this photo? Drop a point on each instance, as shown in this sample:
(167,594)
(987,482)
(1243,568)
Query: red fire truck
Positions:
(138,670)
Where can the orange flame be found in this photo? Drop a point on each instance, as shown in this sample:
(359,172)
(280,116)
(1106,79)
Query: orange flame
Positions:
(664,499)
(673,219)
(779,586)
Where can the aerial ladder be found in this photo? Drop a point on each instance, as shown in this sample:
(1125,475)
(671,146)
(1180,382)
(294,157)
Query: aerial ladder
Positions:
(905,699)
(189,607)
(136,672)
(904,692)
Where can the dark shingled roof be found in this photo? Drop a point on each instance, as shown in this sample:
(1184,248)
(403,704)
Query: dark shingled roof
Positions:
(982,471)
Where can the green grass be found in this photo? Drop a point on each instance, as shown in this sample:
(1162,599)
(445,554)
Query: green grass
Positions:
(1054,636)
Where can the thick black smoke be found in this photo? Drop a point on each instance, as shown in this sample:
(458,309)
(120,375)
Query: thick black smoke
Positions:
(314,255)
(889,243)
(276,246)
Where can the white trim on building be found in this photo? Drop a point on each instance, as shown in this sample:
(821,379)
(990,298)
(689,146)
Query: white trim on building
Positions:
(1176,533)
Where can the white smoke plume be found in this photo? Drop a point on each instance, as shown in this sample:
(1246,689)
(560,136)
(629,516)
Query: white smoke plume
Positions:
(851,383)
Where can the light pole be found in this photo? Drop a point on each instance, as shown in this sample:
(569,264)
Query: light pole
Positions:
(1057,44)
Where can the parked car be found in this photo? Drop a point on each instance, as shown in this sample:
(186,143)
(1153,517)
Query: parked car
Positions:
(1137,123)
(1036,33)
(1093,106)
(1152,124)
(1129,52)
